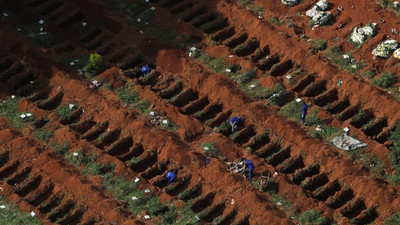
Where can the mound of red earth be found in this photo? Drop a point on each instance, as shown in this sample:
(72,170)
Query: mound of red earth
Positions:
(44,48)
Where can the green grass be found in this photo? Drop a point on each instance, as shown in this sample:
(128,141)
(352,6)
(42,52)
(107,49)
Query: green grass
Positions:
(311,217)
(335,55)
(385,80)
(216,65)
(275,20)
(368,160)
(9,109)
(11,214)
(318,44)
(292,110)
(64,112)
(131,97)
(170,126)
(94,65)
(393,220)
(258,92)
(43,134)
(369,74)
(61,149)
(395,152)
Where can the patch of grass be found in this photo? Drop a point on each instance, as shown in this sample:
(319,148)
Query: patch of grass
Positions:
(279,96)
(132,99)
(395,152)
(257,9)
(393,220)
(243,78)
(257,91)
(345,61)
(369,160)
(61,149)
(96,168)
(169,126)
(43,134)
(369,74)
(385,80)
(292,110)
(312,217)
(318,44)
(80,158)
(64,112)
(210,148)
(9,109)
(11,214)
(275,20)
(217,65)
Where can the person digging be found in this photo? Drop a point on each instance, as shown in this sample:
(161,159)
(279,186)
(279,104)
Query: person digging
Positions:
(235,122)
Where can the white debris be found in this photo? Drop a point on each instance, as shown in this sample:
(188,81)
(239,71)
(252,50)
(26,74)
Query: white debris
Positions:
(75,154)
(151,113)
(289,77)
(279,203)
(41,29)
(354,66)
(33,213)
(322,5)
(12,96)
(193,48)
(165,121)
(346,129)
(134,198)
(396,4)
(153,8)
(28,114)
(141,32)
(31,82)
(298,99)
(137,180)
(260,17)
(359,35)
(275,174)
(228,70)
(346,56)
(96,83)
(79,71)
(197,217)
(251,87)
(41,21)
(383,49)
(290,2)
(71,106)
(19,29)
(5,14)
(206,148)
(346,142)
(84,24)
(318,128)
(138,20)
(2,206)
(23,116)
(232,201)
(72,63)
(147,191)
(312,12)
(147,0)
(396,53)
(146,217)
(230,56)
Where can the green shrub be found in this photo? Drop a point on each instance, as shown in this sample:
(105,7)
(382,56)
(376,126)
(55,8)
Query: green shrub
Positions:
(170,126)
(244,78)
(81,158)
(95,65)
(393,220)
(280,95)
(64,112)
(386,80)
(318,44)
(96,168)
(292,110)
(210,148)
(275,20)
(11,214)
(335,55)
(257,91)
(131,98)
(311,217)
(217,65)
(395,152)
(43,134)
(61,149)
(369,74)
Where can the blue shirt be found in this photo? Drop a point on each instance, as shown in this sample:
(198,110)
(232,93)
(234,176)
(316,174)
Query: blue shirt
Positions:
(145,70)
(236,120)
(305,108)
(249,164)
(170,176)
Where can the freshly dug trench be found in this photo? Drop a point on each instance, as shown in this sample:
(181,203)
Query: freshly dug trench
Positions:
(51,203)
(376,127)
(281,68)
(260,53)
(340,198)
(326,98)
(82,127)
(120,147)
(338,106)
(203,19)
(224,34)
(95,131)
(349,112)
(25,188)
(353,209)
(172,90)
(194,12)
(71,19)
(279,157)
(184,98)
(267,63)
(157,169)
(19,177)
(269,150)
(202,202)
(220,118)
(49,7)
(315,88)
(91,34)
(315,182)
(109,138)
(303,83)
(362,118)
(8,170)
(292,165)
(328,191)
(181,7)
(214,26)
(209,112)
(211,212)
(244,135)
(41,195)
(16,68)
(236,40)
(135,151)
(195,106)
(144,162)
(301,174)
(52,102)
(257,141)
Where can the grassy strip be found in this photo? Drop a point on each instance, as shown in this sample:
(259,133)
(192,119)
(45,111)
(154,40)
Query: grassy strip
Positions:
(9,109)
(131,97)
(11,214)
(343,60)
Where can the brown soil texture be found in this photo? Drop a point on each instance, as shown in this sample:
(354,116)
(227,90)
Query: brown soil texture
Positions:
(310,173)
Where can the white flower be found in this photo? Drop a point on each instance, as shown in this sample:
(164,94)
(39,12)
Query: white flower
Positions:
(137,180)
(33,213)
(2,206)
(134,198)
(75,154)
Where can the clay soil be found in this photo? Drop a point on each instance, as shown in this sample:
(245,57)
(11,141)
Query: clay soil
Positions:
(309,172)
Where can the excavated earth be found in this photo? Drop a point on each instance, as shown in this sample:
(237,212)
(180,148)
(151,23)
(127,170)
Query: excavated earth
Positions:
(198,100)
